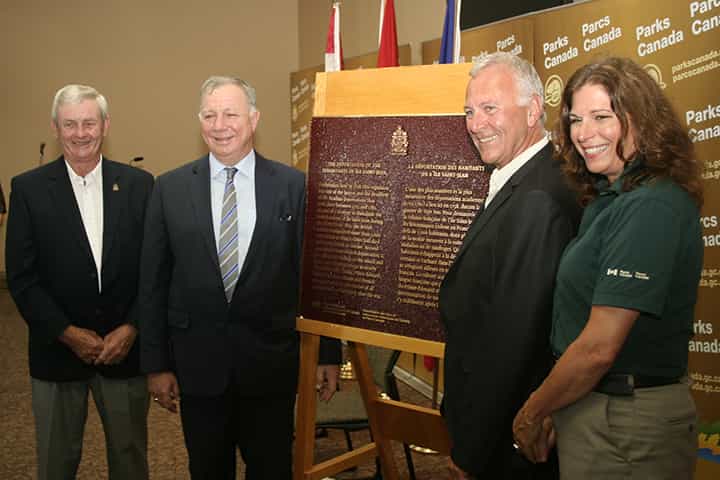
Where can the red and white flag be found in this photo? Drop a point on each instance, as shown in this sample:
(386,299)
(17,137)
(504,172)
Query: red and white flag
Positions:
(388,48)
(333,50)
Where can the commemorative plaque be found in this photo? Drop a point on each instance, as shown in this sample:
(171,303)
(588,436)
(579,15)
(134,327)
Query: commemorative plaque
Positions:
(389,201)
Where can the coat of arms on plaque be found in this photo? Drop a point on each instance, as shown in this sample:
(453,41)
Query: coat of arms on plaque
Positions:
(399,142)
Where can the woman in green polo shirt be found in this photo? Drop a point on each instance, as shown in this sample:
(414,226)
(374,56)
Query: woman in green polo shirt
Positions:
(626,287)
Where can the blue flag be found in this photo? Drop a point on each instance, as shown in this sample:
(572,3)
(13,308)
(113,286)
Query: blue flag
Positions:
(450,36)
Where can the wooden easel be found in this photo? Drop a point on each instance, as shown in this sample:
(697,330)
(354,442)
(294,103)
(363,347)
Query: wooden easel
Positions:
(388,419)
(399,91)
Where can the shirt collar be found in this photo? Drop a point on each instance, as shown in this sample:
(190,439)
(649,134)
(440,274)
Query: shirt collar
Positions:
(93,176)
(604,186)
(503,174)
(246,166)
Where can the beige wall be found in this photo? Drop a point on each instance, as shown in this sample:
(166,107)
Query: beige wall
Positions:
(150,57)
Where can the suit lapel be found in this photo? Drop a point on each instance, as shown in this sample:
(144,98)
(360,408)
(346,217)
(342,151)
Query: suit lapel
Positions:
(484,216)
(202,206)
(64,200)
(265,195)
(114,192)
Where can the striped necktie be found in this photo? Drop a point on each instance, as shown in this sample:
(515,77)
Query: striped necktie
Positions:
(228,245)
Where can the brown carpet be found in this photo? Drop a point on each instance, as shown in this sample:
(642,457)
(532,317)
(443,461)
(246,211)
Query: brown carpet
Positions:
(166,450)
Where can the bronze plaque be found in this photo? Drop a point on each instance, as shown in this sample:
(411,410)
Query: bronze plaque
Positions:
(389,201)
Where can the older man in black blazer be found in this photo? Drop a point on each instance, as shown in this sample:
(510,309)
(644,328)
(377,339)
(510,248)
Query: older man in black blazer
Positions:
(496,299)
(74,237)
(220,282)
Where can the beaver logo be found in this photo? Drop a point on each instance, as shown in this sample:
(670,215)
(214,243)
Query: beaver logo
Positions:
(654,71)
(553,90)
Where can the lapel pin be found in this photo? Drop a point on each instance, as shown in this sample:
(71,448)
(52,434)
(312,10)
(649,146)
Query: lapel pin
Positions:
(116,187)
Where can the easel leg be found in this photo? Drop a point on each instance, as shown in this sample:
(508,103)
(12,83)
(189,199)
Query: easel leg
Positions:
(307,404)
(359,356)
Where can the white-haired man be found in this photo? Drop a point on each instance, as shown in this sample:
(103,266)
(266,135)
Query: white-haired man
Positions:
(73,251)
(496,299)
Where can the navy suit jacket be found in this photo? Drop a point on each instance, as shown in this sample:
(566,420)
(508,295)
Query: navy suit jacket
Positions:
(187,325)
(50,268)
(496,305)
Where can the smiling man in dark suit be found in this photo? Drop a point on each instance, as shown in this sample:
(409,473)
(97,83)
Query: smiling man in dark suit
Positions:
(496,299)
(74,237)
(219,289)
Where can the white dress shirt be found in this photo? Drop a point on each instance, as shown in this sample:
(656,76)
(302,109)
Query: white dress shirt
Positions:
(244,181)
(89,197)
(500,176)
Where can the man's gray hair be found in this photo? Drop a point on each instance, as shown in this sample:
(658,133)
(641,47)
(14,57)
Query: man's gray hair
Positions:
(527,80)
(75,94)
(217,81)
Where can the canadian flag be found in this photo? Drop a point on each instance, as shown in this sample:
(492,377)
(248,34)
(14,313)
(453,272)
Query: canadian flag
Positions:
(333,50)
(388,48)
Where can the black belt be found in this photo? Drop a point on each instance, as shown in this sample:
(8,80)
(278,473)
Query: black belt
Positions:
(623,384)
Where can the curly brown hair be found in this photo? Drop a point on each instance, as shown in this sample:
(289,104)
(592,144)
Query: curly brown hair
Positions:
(636,99)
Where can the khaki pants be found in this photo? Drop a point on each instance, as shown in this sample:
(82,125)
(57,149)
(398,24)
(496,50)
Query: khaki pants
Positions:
(60,410)
(650,435)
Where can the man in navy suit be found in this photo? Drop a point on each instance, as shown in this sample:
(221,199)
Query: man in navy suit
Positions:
(219,290)
(496,299)
(73,247)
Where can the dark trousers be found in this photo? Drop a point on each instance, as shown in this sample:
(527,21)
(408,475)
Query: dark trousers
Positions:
(260,427)
(512,465)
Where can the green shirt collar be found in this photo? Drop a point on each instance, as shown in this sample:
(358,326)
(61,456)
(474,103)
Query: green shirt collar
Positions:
(606,188)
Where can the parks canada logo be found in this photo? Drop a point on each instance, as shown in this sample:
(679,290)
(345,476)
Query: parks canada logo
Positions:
(553,90)
(654,72)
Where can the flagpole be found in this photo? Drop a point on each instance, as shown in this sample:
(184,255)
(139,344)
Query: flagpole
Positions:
(336,36)
(382,20)
(456,46)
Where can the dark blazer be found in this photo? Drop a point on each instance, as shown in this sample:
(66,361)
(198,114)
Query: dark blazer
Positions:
(187,325)
(2,201)
(51,273)
(496,304)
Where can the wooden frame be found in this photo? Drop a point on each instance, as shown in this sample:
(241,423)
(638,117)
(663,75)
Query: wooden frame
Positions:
(417,90)
(389,419)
